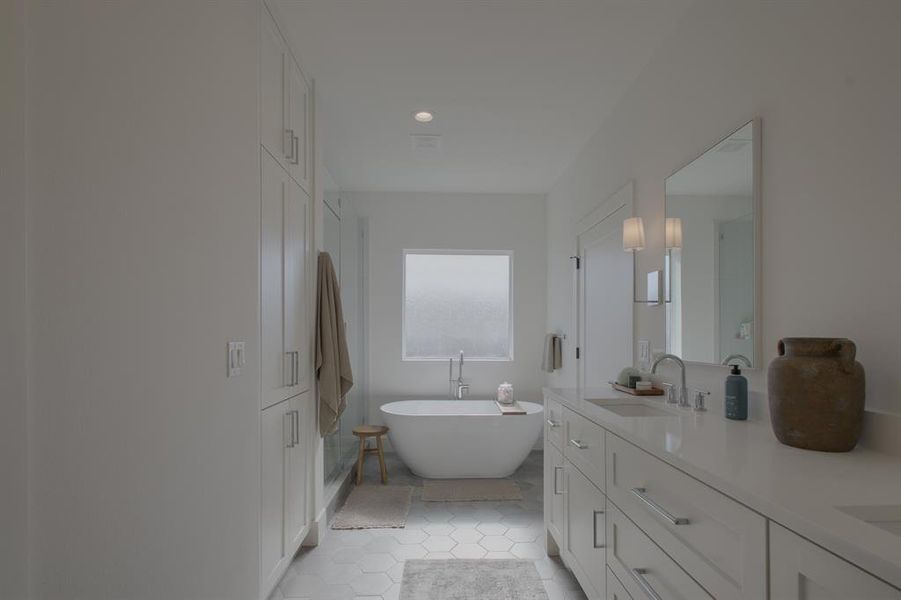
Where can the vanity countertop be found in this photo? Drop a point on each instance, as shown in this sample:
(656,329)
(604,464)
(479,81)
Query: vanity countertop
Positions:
(799,489)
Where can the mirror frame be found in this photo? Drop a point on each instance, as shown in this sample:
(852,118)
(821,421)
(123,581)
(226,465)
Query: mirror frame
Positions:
(756,199)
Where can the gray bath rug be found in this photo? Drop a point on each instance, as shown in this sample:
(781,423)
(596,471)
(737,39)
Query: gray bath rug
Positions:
(375,507)
(465,490)
(457,579)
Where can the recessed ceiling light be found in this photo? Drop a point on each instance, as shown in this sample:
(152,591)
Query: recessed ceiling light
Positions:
(423,116)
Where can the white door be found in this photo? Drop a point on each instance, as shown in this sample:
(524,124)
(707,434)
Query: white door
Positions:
(604,301)
(554,493)
(277,364)
(275,430)
(299,125)
(296,252)
(274,60)
(800,570)
(296,471)
(586,532)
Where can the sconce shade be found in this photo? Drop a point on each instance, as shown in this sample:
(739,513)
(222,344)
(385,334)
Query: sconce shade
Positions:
(673,233)
(633,234)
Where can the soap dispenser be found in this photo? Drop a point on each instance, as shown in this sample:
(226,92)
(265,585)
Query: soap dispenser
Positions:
(736,395)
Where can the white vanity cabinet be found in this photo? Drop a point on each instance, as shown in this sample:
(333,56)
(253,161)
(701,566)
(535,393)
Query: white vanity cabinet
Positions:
(671,535)
(800,570)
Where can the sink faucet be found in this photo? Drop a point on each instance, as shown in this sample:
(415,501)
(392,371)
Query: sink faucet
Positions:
(683,390)
(458,387)
(740,357)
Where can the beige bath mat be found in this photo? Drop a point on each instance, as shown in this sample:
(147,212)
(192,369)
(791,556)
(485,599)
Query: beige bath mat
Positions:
(466,490)
(375,507)
(453,579)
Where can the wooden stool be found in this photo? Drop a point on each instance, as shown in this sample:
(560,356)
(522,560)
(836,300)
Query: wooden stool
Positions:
(367,431)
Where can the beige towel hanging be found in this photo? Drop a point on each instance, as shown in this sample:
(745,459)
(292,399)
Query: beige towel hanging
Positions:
(332,359)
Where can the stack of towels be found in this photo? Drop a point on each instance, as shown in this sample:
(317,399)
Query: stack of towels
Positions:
(553,353)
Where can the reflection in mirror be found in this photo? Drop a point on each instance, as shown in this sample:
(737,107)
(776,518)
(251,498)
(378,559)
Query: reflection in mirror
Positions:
(711,253)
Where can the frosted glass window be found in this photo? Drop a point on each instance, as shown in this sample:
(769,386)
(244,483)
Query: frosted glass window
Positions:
(457,301)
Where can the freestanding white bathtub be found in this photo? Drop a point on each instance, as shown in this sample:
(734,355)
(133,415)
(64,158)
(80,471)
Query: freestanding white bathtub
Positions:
(461,439)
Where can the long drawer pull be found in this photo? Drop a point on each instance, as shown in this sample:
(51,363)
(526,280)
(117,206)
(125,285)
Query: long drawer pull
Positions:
(557,490)
(594,524)
(642,581)
(578,444)
(552,423)
(641,492)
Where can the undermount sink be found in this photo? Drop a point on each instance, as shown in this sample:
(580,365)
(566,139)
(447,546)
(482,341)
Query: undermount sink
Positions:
(630,408)
(885,516)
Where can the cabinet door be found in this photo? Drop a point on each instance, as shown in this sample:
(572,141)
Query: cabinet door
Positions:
(296,253)
(615,590)
(296,472)
(278,363)
(274,438)
(586,532)
(554,480)
(800,570)
(274,61)
(299,125)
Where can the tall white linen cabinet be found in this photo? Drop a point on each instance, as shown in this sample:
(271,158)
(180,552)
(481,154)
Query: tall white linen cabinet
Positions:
(287,411)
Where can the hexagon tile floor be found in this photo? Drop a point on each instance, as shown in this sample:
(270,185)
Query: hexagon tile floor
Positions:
(368,564)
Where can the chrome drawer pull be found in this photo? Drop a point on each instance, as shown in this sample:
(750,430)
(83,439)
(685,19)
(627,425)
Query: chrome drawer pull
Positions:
(639,575)
(640,494)
(594,524)
(578,444)
(552,423)
(557,491)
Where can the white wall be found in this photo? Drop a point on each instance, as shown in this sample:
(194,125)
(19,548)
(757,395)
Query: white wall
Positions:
(460,221)
(144,193)
(13,312)
(824,78)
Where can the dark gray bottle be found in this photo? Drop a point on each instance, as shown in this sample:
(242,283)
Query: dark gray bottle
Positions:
(736,395)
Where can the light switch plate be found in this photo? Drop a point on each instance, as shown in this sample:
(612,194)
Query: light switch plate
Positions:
(644,354)
(236,358)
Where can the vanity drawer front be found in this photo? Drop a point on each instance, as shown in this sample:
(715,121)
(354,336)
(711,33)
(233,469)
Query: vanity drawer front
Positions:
(643,568)
(615,590)
(801,570)
(553,426)
(721,543)
(584,446)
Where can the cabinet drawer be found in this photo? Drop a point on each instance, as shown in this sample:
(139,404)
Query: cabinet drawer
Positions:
(553,426)
(643,568)
(800,570)
(719,542)
(615,590)
(584,446)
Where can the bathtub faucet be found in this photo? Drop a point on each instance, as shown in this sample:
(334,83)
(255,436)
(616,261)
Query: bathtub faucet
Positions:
(458,387)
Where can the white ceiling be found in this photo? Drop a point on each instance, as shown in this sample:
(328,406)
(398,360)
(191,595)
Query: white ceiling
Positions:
(517,86)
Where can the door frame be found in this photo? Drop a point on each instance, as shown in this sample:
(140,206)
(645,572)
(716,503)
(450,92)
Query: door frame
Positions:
(622,203)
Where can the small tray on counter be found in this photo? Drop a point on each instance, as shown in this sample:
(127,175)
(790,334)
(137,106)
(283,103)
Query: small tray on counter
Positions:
(651,392)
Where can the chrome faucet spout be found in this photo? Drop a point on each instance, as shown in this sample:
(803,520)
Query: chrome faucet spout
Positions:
(683,390)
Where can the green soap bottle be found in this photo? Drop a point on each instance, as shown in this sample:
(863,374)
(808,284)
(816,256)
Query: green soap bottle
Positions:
(736,395)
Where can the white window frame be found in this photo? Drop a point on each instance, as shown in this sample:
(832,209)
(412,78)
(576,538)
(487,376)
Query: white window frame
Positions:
(403,302)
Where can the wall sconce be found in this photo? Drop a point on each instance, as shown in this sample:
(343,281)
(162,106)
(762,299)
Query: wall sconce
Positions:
(673,233)
(633,241)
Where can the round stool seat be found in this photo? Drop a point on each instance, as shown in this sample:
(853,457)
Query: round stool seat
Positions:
(364,432)
(369,430)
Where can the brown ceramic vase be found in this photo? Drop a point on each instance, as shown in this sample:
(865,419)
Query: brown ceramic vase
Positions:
(816,394)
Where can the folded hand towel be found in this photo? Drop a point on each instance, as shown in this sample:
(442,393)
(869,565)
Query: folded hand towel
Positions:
(553,353)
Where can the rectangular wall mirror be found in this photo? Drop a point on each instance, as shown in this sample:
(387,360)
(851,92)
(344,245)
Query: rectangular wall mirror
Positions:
(713,253)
